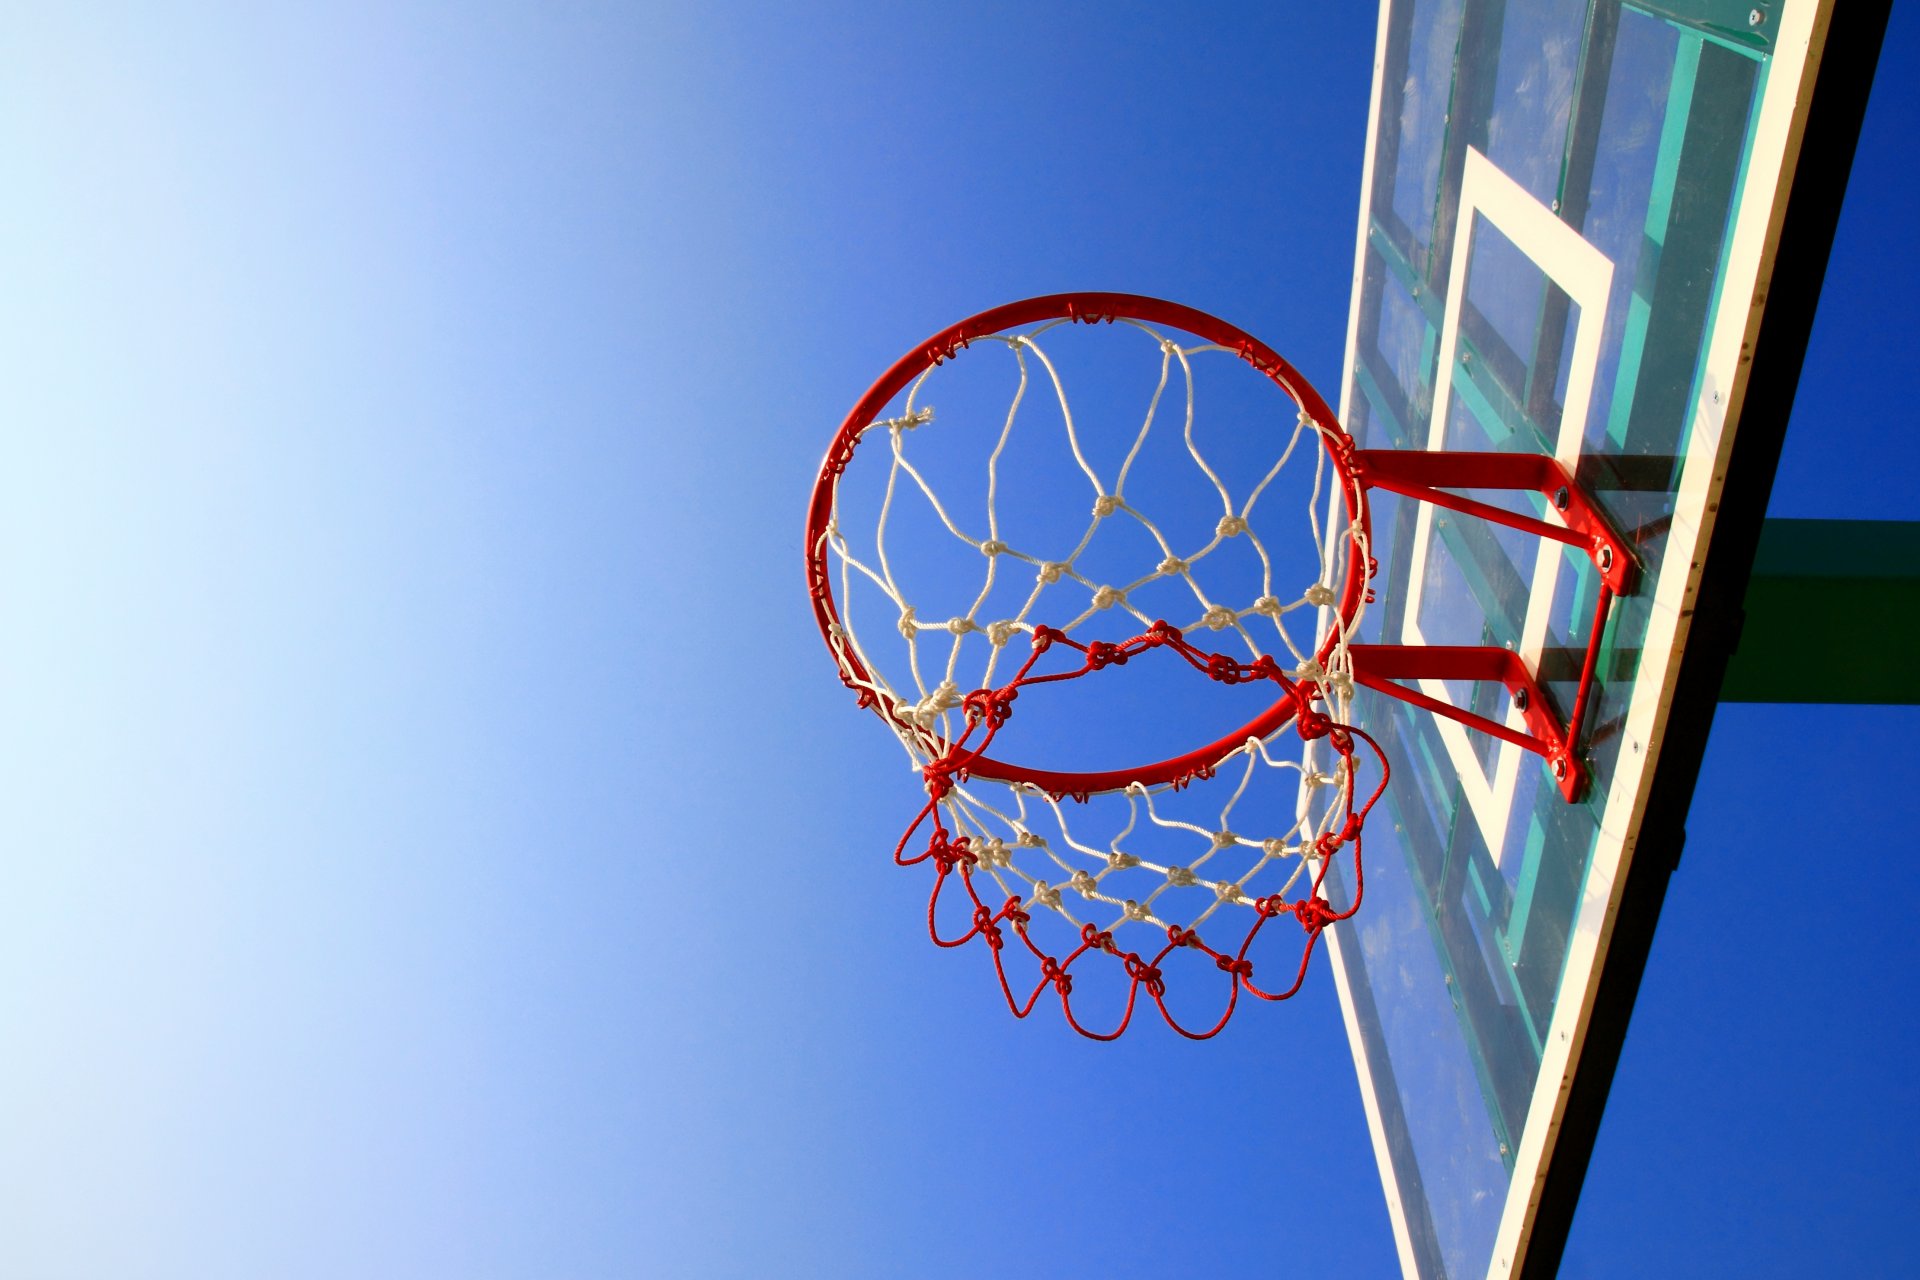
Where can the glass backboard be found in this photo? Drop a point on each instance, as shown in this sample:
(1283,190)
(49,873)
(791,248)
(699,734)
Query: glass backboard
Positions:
(1570,222)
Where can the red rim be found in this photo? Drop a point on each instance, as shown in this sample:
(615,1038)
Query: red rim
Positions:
(1085,308)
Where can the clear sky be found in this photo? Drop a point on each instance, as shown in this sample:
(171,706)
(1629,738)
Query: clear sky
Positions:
(434,842)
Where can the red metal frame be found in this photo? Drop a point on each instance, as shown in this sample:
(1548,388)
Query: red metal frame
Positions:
(1421,475)
(1085,308)
(1426,477)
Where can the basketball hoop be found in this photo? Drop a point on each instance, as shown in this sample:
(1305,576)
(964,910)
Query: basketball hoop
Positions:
(981,818)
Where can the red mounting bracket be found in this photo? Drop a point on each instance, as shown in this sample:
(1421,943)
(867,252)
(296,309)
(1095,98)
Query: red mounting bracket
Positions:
(1426,477)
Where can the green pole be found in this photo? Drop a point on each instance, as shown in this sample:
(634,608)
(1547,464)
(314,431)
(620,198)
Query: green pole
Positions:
(1833,615)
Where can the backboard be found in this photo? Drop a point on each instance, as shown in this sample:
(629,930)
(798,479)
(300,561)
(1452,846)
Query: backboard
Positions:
(1593,230)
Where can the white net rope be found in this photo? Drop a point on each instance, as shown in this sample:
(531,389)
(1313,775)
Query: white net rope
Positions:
(1169,856)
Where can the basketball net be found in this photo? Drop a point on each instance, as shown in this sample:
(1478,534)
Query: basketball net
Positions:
(1143,878)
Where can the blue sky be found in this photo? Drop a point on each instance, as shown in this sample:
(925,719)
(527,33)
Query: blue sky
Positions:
(435,843)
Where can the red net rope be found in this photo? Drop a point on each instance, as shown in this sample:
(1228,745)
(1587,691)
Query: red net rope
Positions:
(958,857)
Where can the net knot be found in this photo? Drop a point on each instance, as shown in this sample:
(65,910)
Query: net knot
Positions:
(1268,607)
(1228,891)
(1045,895)
(1106,504)
(1274,847)
(1137,911)
(908,421)
(1044,636)
(990,705)
(1180,877)
(1314,914)
(1230,526)
(1319,595)
(1224,669)
(1119,861)
(1219,618)
(1306,420)
(993,853)
(1030,840)
(1097,938)
(1107,597)
(983,925)
(1145,974)
(1084,884)
(1312,724)
(1050,970)
(938,775)
(998,633)
(1238,968)
(1102,653)
(1224,839)
(993,547)
(949,854)
(945,697)
(1013,914)
(908,627)
(1050,571)
(961,626)
(1172,565)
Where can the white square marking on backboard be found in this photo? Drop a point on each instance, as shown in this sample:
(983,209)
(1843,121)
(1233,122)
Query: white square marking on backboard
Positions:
(1585,275)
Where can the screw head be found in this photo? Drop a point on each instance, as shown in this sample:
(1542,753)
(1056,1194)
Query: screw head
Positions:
(1560,767)
(1561,497)
(1755,17)
(1520,699)
(1606,557)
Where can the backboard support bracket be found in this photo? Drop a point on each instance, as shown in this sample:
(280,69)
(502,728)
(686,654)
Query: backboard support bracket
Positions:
(1428,476)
